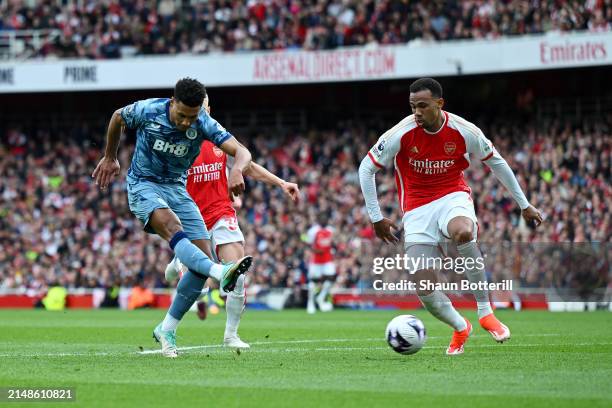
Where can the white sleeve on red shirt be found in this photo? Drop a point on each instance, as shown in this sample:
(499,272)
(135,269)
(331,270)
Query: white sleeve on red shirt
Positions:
(381,155)
(311,234)
(388,145)
(479,146)
(367,174)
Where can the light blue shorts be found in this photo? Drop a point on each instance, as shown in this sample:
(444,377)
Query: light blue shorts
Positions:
(146,196)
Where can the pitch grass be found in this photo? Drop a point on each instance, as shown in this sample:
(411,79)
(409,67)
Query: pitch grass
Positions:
(335,359)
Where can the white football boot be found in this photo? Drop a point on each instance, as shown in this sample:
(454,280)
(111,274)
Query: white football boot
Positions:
(173,270)
(167,338)
(235,343)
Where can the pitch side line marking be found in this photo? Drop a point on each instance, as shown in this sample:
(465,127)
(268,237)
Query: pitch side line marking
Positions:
(220,347)
(340,349)
(308,341)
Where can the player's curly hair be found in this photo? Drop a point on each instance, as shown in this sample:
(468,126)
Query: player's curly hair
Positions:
(427,84)
(190,91)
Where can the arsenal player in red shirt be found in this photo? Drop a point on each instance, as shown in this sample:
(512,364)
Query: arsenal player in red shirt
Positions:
(207,185)
(321,268)
(429,151)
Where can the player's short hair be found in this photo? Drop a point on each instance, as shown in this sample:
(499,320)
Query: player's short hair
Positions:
(190,91)
(427,84)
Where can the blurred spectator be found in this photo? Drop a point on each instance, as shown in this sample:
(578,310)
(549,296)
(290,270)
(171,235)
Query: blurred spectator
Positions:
(56,225)
(55,299)
(111,28)
(141,297)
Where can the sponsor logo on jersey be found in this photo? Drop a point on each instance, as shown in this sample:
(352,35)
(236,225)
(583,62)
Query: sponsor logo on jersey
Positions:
(205,168)
(450,147)
(179,149)
(430,166)
(414,149)
(191,133)
(218,152)
(205,172)
(324,242)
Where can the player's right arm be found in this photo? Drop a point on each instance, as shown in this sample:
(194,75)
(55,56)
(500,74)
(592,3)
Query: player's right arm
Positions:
(130,116)
(109,167)
(381,155)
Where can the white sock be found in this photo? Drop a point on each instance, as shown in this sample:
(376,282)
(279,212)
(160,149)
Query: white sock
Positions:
(233,306)
(169,323)
(476,274)
(216,271)
(439,305)
(324,291)
(239,288)
(311,292)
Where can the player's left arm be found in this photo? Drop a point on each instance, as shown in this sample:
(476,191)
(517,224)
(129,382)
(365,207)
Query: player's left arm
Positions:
(242,161)
(482,148)
(262,174)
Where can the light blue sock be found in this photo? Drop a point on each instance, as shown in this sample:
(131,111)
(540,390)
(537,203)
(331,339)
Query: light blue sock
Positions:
(187,292)
(190,255)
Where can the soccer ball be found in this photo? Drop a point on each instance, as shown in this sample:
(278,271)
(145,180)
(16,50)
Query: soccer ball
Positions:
(406,334)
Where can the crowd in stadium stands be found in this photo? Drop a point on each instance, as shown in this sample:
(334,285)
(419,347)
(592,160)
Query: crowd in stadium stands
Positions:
(56,226)
(116,28)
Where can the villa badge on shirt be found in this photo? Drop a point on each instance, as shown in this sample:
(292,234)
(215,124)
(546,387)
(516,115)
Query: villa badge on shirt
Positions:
(191,133)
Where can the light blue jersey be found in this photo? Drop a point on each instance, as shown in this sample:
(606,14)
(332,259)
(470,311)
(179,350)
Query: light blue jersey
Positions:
(163,154)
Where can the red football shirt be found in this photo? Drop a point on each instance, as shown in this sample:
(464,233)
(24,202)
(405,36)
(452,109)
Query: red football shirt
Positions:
(321,240)
(207,184)
(427,165)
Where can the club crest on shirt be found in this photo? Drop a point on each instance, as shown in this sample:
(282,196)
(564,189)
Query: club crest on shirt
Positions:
(191,133)
(450,147)
(218,152)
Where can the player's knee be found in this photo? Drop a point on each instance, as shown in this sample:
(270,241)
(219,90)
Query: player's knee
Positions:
(169,229)
(463,234)
(174,226)
(165,223)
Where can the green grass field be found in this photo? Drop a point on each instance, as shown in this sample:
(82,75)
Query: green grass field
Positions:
(339,359)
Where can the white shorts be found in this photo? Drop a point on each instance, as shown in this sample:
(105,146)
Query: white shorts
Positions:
(428,224)
(225,231)
(317,271)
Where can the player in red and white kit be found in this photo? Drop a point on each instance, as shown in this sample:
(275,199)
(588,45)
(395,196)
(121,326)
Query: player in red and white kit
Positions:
(321,268)
(429,151)
(207,185)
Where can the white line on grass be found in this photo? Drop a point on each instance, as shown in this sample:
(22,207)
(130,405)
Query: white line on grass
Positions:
(341,349)
(214,348)
(308,341)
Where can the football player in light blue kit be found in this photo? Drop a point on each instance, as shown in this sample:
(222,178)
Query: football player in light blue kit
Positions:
(169,133)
